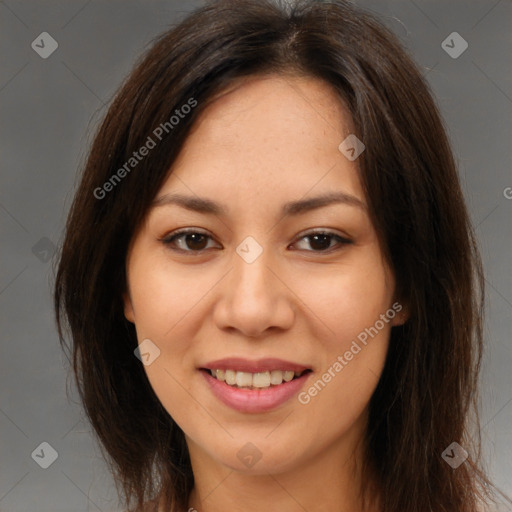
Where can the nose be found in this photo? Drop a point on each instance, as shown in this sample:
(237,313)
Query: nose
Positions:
(253,298)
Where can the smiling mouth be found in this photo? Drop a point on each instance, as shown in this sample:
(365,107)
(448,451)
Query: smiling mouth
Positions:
(252,381)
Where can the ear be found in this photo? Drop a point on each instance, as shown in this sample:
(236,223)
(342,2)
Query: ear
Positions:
(402,313)
(128,308)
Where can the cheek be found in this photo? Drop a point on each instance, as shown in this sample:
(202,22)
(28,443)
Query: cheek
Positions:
(353,310)
(163,303)
(346,299)
(342,389)
(163,297)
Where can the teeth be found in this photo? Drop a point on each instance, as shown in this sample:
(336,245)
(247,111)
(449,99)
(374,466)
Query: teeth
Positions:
(243,379)
(230,377)
(288,376)
(261,380)
(254,380)
(276,377)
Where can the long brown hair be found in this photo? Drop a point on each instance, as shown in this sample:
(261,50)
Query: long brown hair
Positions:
(428,387)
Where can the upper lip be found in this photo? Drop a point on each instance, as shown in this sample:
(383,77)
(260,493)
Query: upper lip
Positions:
(254,366)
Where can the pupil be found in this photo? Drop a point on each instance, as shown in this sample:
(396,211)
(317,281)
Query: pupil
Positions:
(323,244)
(196,244)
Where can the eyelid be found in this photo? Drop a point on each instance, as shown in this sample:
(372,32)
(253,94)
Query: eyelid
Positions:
(181,231)
(324,231)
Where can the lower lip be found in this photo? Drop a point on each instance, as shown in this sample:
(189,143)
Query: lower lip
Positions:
(254,400)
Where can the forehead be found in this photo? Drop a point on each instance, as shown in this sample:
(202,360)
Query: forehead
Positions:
(271,136)
(281,99)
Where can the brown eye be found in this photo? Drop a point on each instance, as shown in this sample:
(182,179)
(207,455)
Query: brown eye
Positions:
(188,241)
(323,241)
(195,241)
(320,242)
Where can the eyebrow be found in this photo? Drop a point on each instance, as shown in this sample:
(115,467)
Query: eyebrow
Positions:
(204,205)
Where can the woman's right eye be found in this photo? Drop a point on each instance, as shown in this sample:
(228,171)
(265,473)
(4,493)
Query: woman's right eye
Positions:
(187,240)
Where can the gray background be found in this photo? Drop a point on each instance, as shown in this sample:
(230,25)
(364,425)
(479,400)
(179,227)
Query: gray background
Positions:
(49,109)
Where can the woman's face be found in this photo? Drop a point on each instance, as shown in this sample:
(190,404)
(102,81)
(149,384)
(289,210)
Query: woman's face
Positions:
(252,292)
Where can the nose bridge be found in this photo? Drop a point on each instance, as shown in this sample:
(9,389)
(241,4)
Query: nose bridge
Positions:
(252,299)
(251,274)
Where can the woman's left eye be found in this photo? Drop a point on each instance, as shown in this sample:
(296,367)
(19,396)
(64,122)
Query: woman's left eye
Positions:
(322,240)
(194,241)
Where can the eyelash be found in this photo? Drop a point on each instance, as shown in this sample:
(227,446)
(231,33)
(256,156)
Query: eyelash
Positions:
(169,239)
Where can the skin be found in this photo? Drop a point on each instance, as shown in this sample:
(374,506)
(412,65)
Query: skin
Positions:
(266,141)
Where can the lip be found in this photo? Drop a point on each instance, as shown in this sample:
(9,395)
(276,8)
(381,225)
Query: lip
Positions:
(261,365)
(254,400)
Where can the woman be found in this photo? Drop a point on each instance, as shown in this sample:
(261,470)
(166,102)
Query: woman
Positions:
(269,275)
